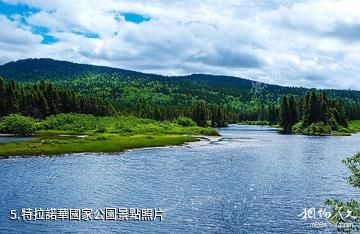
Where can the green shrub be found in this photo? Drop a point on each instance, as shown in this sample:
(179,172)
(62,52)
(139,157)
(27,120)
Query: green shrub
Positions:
(298,127)
(122,127)
(185,121)
(125,125)
(334,125)
(207,131)
(343,130)
(17,124)
(72,122)
(318,129)
(101,130)
(354,125)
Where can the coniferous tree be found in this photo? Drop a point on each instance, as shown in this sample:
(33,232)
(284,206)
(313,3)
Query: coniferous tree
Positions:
(292,111)
(44,99)
(2,96)
(306,110)
(41,104)
(340,117)
(200,115)
(11,101)
(272,114)
(285,117)
(313,107)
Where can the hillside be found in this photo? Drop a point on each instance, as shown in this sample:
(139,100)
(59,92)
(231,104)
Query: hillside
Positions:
(160,97)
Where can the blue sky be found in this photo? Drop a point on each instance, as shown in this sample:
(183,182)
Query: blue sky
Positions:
(135,17)
(11,9)
(311,43)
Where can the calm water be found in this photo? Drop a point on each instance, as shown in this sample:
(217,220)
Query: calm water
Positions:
(253,181)
(15,139)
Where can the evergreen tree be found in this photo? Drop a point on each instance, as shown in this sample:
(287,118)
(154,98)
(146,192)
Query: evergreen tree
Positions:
(41,104)
(285,117)
(200,115)
(306,110)
(44,99)
(272,115)
(11,101)
(2,96)
(292,111)
(313,106)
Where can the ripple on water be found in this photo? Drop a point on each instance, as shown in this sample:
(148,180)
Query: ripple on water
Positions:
(254,180)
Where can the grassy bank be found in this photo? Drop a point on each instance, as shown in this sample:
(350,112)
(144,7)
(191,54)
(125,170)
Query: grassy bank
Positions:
(322,129)
(57,134)
(354,126)
(97,143)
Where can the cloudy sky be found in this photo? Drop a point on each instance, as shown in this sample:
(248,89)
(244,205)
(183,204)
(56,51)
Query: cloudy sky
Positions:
(297,43)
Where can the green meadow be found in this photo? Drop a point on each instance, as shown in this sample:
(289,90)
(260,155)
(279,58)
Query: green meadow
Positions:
(75,133)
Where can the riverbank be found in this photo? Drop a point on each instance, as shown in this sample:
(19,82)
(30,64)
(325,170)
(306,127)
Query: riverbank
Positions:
(320,129)
(354,126)
(314,130)
(102,143)
(75,133)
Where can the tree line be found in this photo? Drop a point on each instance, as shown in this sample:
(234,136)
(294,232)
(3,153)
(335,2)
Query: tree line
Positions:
(203,113)
(42,99)
(213,100)
(316,107)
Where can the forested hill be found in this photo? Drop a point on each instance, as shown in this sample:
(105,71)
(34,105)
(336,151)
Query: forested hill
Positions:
(29,70)
(160,97)
(63,72)
(44,68)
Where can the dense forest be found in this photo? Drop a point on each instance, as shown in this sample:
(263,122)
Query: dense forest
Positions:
(316,113)
(43,99)
(207,99)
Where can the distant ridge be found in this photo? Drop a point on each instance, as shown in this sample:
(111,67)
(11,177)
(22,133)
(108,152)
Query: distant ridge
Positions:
(34,69)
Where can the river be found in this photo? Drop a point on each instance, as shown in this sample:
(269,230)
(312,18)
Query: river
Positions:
(254,180)
(4,139)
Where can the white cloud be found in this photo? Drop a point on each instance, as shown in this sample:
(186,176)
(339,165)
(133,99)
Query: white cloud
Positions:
(310,43)
(12,35)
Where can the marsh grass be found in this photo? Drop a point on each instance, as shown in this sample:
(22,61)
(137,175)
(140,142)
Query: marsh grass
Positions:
(75,133)
(108,143)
